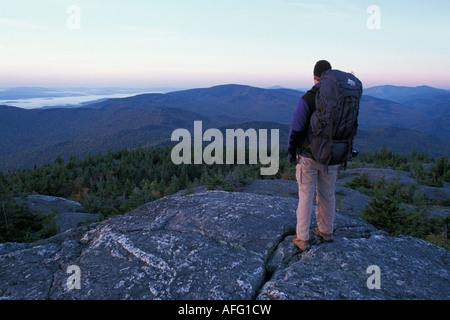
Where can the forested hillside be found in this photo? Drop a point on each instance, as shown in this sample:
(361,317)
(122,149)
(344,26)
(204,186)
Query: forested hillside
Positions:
(111,183)
(120,181)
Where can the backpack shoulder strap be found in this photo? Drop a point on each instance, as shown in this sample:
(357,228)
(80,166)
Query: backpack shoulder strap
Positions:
(310,99)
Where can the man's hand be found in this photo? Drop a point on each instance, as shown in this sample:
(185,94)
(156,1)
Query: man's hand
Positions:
(292,158)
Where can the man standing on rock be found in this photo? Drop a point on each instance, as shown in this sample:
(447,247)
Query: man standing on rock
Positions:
(309,173)
(323,129)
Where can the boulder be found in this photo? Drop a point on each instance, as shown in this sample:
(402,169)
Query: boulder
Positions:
(67,214)
(45,205)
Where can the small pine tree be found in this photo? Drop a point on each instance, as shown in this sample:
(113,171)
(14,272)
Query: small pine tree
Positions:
(383,210)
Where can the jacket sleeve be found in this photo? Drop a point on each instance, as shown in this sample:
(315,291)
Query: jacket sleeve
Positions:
(299,127)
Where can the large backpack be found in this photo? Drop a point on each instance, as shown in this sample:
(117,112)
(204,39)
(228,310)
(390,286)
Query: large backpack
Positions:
(334,122)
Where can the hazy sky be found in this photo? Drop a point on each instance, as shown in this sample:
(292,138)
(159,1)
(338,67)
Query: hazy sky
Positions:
(199,43)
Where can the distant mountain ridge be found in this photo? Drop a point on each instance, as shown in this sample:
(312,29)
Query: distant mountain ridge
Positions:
(39,135)
(402,94)
(244,102)
(433,101)
(257,104)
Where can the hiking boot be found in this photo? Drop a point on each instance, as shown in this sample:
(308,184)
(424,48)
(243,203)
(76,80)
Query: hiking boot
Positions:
(327,237)
(301,244)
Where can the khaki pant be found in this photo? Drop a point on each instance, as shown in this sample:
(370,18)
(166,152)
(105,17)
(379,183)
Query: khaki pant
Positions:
(311,177)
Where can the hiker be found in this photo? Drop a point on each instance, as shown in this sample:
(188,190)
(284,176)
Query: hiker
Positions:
(316,170)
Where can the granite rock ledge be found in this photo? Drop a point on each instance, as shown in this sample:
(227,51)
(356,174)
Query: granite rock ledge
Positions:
(222,246)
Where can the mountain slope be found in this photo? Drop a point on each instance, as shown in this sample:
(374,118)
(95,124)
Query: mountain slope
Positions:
(375,112)
(434,106)
(433,101)
(38,136)
(401,140)
(437,126)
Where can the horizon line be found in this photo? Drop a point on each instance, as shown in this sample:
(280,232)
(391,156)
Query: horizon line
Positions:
(180,88)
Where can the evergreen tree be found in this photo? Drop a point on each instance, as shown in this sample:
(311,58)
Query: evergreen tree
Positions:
(383,210)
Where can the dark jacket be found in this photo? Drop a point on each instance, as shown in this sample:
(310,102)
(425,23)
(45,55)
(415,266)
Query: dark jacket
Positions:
(300,132)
